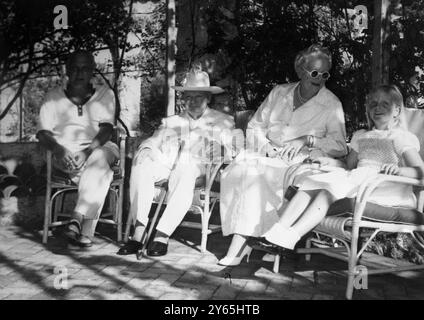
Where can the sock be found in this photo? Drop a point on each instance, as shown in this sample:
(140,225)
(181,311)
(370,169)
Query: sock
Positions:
(88,227)
(138,232)
(161,237)
(77,217)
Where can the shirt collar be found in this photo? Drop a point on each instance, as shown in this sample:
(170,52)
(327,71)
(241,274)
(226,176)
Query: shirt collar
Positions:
(205,113)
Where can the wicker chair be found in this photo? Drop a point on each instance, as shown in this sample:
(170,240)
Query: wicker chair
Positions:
(352,229)
(58,185)
(206,186)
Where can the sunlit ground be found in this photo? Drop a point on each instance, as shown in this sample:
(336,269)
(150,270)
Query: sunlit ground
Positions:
(30,270)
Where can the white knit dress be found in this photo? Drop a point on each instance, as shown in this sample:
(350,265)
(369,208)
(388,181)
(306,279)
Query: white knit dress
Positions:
(375,148)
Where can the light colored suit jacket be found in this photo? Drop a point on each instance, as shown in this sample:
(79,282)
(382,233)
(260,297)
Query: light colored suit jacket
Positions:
(212,127)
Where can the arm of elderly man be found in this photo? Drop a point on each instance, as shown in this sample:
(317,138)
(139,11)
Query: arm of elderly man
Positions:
(62,135)
(216,141)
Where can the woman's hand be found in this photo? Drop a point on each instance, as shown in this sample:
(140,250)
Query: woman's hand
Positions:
(390,168)
(272,151)
(292,148)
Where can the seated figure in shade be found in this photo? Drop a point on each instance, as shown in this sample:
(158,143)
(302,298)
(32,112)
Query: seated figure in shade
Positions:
(202,132)
(386,147)
(295,120)
(76,124)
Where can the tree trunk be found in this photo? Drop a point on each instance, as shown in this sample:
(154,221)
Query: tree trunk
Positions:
(380,52)
(171,42)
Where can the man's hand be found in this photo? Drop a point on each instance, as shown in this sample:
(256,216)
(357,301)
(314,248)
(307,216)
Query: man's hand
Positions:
(292,148)
(80,158)
(64,156)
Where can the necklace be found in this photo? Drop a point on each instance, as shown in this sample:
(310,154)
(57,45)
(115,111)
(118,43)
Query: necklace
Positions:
(301,99)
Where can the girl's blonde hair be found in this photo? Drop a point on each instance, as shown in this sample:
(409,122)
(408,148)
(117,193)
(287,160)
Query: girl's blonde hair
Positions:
(395,96)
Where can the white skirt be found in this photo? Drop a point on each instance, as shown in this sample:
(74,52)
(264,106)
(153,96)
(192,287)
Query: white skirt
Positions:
(252,194)
(345,184)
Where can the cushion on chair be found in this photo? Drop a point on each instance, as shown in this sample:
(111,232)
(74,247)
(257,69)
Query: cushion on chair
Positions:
(415,120)
(375,212)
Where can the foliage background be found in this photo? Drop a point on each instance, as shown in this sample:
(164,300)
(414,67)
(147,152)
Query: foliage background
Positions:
(252,44)
(248,46)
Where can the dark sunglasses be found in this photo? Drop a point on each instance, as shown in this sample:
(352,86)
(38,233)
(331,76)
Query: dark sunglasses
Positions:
(315,74)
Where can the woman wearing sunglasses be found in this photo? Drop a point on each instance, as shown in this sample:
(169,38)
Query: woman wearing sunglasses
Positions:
(296,120)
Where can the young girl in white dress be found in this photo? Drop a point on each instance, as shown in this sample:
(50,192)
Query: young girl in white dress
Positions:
(386,147)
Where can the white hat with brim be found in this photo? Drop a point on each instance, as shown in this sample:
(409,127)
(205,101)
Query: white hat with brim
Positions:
(198,80)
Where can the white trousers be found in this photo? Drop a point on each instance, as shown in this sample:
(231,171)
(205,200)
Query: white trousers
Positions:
(180,191)
(93,184)
(95,180)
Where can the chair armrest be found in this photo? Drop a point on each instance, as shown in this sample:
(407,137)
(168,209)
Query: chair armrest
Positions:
(369,185)
(212,170)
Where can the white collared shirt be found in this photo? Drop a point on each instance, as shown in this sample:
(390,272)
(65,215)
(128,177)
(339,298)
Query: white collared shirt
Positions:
(212,126)
(72,130)
(276,120)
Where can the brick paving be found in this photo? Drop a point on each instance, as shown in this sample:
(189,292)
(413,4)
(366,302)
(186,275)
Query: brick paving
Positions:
(30,270)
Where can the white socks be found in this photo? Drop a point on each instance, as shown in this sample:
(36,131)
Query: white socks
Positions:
(282,236)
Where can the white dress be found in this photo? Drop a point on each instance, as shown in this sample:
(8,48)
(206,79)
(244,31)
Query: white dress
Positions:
(374,147)
(252,185)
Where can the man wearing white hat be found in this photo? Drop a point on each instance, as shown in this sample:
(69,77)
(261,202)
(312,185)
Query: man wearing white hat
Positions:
(199,127)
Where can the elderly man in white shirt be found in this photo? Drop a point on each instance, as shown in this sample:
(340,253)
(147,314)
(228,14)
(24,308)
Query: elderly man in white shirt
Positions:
(76,124)
(199,127)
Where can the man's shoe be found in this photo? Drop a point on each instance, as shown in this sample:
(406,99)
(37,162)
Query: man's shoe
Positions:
(72,231)
(264,245)
(131,247)
(157,249)
(84,241)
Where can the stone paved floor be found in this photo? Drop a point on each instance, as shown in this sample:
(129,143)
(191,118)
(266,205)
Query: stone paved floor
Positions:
(30,270)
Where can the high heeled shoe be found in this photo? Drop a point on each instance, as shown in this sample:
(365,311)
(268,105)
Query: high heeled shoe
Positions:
(235,261)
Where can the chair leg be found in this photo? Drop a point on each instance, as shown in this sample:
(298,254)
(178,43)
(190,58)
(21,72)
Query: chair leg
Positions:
(308,246)
(352,262)
(58,205)
(350,281)
(147,234)
(128,228)
(205,222)
(276,267)
(119,211)
(47,214)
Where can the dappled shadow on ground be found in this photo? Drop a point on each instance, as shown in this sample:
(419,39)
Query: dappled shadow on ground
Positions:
(184,273)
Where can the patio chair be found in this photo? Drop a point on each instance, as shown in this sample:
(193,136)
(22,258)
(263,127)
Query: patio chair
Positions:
(352,230)
(207,187)
(58,185)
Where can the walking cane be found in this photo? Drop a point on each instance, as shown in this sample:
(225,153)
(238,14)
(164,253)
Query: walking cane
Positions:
(148,231)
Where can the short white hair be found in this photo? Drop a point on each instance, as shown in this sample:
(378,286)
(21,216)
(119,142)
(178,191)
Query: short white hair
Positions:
(313,50)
